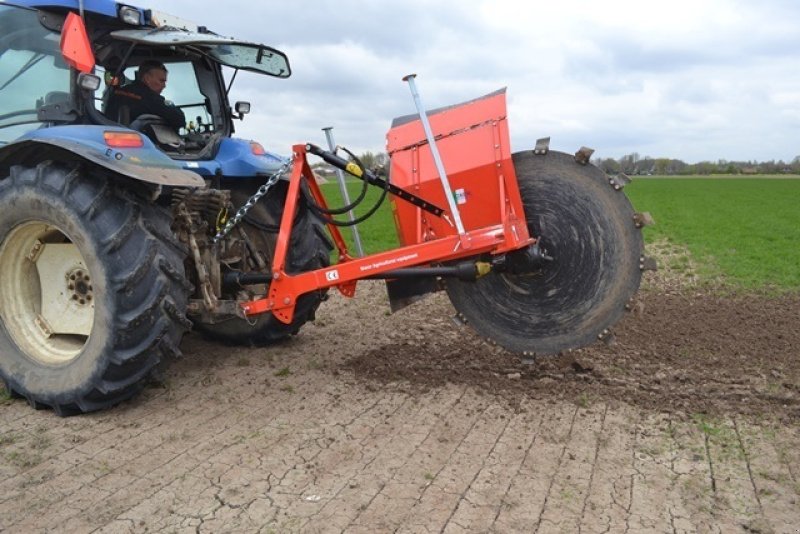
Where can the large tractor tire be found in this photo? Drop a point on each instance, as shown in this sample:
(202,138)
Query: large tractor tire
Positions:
(309,249)
(587,226)
(92,288)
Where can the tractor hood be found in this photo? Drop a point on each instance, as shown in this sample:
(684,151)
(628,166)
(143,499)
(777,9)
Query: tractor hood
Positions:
(224,50)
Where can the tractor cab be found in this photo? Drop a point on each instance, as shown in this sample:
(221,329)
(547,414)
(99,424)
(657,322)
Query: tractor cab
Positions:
(193,58)
(34,79)
(39,90)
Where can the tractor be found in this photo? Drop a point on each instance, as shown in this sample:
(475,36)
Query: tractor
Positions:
(119,234)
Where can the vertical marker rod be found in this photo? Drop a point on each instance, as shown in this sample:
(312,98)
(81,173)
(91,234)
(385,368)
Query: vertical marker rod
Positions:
(345,194)
(437,159)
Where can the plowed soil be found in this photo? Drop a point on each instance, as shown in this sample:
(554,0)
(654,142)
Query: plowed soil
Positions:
(683,353)
(366,422)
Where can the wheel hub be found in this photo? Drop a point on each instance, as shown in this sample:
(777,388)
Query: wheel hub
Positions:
(79,286)
(46,293)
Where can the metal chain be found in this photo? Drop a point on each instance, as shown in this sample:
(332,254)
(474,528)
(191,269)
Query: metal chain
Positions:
(241,212)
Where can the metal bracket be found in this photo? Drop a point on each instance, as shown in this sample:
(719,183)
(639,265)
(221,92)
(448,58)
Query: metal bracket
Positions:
(607,337)
(35,252)
(648,264)
(643,219)
(542,146)
(619,181)
(583,155)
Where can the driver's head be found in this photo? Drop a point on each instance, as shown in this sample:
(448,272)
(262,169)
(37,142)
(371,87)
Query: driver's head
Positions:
(154,75)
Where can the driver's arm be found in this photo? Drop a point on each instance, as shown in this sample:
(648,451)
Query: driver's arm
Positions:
(173,115)
(156,105)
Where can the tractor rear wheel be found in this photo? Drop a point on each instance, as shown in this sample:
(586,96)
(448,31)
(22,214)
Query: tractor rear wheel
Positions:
(587,227)
(309,249)
(92,290)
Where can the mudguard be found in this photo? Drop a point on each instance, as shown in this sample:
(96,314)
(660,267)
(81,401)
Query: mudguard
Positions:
(146,163)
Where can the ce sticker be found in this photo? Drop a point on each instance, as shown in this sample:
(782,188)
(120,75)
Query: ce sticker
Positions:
(332,276)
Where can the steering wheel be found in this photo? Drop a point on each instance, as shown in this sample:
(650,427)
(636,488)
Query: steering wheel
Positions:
(157,129)
(144,121)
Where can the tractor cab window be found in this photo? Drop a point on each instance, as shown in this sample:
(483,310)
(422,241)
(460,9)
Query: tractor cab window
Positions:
(33,73)
(184,91)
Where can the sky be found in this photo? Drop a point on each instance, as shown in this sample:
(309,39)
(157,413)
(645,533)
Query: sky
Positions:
(694,80)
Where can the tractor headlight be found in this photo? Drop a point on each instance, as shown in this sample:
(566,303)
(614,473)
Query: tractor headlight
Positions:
(130,15)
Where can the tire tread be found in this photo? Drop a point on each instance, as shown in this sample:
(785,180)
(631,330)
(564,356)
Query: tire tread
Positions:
(146,323)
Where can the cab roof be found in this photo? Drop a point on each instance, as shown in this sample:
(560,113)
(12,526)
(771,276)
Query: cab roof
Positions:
(109,8)
(158,29)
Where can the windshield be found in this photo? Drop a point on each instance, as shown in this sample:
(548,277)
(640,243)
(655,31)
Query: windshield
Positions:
(32,71)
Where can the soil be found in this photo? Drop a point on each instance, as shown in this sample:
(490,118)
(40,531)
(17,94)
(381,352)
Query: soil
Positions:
(682,353)
(366,422)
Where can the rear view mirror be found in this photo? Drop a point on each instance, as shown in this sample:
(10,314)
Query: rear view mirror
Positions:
(242,108)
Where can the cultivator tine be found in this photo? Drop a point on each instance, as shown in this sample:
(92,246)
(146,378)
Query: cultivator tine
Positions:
(583,155)
(542,146)
(648,264)
(643,219)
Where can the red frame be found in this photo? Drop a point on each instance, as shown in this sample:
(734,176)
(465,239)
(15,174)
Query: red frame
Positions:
(510,234)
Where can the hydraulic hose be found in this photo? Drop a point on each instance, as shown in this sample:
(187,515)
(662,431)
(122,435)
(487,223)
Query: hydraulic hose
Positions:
(356,168)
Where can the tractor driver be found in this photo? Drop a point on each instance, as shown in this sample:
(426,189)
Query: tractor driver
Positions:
(143,97)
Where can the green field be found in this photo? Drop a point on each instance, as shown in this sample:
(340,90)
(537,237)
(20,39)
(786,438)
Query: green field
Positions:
(743,233)
(378,232)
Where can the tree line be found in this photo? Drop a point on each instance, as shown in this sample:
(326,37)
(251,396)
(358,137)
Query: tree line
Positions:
(633,164)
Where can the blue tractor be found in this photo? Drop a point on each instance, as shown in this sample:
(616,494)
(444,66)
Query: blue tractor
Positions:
(116,231)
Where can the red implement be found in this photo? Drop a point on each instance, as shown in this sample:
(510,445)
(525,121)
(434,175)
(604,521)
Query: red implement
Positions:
(474,142)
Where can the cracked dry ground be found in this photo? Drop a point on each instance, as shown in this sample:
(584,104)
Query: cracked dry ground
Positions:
(371,423)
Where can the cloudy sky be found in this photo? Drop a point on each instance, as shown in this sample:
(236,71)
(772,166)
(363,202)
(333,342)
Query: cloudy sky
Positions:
(695,80)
